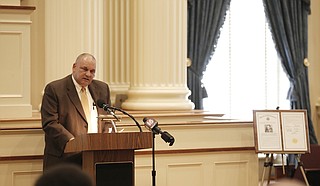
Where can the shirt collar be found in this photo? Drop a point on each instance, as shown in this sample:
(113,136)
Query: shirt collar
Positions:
(78,87)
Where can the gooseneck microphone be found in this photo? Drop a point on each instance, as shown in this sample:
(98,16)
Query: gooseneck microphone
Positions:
(109,109)
(152,125)
(105,107)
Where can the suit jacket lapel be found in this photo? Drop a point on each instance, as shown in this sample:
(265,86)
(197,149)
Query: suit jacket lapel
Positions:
(73,96)
(94,91)
(94,94)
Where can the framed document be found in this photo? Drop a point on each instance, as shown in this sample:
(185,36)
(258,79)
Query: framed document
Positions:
(281,131)
(295,131)
(268,131)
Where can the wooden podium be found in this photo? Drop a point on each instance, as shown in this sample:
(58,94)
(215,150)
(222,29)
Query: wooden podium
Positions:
(109,149)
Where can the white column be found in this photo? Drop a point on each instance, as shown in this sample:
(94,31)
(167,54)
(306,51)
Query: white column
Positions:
(159,54)
(117,45)
(72,27)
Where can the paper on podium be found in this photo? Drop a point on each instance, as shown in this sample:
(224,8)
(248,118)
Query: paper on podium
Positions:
(111,120)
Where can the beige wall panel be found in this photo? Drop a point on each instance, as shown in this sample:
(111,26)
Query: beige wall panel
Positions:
(314,68)
(186,169)
(209,136)
(237,170)
(185,174)
(143,171)
(18,173)
(21,143)
(204,136)
(13,63)
(10,2)
(201,169)
(15,99)
(194,158)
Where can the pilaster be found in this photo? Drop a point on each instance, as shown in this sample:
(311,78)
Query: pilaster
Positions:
(15,99)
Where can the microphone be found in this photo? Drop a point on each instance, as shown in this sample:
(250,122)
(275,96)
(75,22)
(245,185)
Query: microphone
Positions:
(108,108)
(152,125)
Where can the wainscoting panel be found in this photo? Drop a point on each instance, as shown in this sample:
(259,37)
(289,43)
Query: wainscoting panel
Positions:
(236,172)
(20,172)
(199,168)
(205,152)
(185,174)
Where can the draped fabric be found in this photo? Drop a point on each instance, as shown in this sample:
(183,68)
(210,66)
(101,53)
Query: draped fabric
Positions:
(288,20)
(205,19)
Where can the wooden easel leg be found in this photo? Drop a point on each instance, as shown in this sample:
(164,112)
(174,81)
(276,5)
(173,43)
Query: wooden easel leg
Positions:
(270,165)
(282,162)
(300,164)
(265,166)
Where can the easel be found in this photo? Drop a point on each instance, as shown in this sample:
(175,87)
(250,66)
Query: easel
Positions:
(269,164)
(285,128)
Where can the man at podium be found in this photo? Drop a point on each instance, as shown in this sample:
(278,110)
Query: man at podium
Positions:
(68,110)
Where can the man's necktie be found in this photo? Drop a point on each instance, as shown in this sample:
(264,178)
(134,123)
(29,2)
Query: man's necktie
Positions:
(85,103)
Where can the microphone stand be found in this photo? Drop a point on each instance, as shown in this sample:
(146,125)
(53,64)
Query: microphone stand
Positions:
(152,125)
(153,160)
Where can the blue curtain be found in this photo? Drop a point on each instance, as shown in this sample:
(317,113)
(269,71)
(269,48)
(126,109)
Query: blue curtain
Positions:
(288,21)
(205,18)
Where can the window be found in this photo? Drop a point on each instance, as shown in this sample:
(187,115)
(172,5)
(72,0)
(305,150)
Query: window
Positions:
(245,72)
